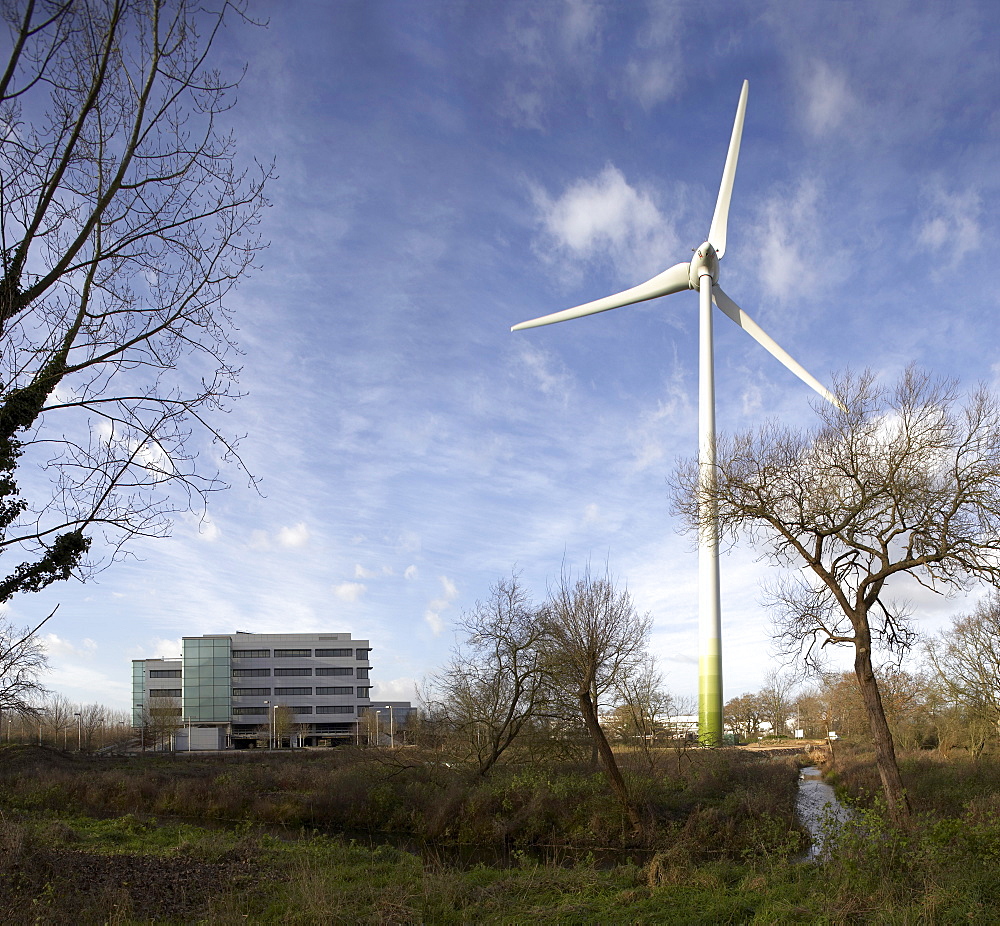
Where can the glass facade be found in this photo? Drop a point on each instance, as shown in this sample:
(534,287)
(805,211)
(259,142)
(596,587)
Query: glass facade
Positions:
(207,675)
(138,690)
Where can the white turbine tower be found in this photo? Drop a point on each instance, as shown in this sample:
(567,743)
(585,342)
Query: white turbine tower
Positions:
(702,274)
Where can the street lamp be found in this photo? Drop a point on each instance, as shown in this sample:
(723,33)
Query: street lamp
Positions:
(79,731)
(267,710)
(392,729)
(378,725)
(41,713)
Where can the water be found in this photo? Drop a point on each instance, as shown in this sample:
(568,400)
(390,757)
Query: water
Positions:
(818,810)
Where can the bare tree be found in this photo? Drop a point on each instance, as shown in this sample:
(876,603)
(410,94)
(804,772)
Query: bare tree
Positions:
(492,687)
(22,662)
(161,720)
(897,482)
(284,725)
(125,220)
(966,659)
(59,718)
(645,705)
(594,639)
(93,719)
(776,702)
(743,715)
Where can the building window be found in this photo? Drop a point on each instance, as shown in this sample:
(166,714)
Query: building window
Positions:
(364,692)
(302,709)
(340,670)
(335,690)
(250,673)
(165,712)
(362,672)
(294,653)
(363,654)
(292,691)
(164,692)
(164,673)
(249,710)
(251,653)
(250,692)
(335,709)
(334,652)
(293,671)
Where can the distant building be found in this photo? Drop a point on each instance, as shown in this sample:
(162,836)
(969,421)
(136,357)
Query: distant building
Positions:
(256,689)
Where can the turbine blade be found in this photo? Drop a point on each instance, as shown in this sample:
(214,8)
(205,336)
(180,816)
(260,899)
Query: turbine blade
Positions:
(717,233)
(670,281)
(757,333)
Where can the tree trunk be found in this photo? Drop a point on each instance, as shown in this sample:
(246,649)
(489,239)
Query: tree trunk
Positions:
(885,752)
(615,778)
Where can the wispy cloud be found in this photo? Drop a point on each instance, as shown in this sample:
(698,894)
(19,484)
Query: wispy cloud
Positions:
(434,607)
(604,218)
(827,101)
(949,226)
(350,591)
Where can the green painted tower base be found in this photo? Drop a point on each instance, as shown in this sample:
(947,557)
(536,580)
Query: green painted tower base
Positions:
(710,698)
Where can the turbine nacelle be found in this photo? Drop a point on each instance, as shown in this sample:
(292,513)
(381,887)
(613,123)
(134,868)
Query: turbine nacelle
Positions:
(705,261)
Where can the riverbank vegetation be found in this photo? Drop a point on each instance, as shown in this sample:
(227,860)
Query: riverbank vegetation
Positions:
(345,836)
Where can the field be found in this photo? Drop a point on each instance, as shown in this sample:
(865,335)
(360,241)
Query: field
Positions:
(373,836)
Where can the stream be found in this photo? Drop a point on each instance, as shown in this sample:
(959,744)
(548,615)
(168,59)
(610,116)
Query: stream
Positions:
(818,808)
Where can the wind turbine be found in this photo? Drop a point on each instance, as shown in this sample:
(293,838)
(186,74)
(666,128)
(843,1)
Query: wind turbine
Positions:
(702,275)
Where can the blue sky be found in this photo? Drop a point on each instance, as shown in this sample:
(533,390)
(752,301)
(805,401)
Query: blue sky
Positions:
(449,169)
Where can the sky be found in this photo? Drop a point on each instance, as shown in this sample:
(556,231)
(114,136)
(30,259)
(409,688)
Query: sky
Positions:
(449,169)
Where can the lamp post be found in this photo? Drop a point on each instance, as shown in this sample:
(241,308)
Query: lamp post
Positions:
(378,725)
(40,715)
(79,731)
(274,725)
(267,710)
(392,728)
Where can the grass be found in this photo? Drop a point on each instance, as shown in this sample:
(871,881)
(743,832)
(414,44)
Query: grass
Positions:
(87,842)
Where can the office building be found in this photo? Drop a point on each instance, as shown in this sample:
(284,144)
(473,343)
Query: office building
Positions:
(252,689)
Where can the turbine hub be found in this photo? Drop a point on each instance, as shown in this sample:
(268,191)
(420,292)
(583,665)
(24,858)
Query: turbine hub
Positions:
(705,260)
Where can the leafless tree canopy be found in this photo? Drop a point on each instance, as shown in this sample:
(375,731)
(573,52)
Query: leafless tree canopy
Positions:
(901,480)
(126,218)
(966,660)
(22,663)
(594,640)
(493,687)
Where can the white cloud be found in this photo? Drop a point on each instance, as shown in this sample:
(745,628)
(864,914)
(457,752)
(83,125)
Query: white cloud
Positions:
(361,573)
(605,217)
(434,607)
(787,238)
(290,537)
(411,572)
(950,223)
(826,98)
(349,591)
(653,78)
(59,646)
(293,537)
(397,689)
